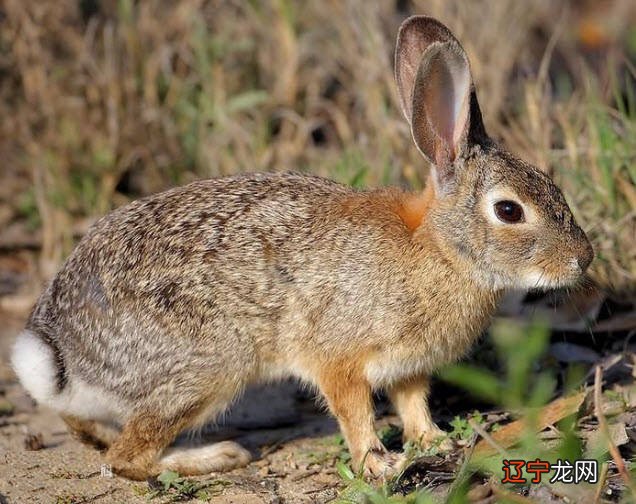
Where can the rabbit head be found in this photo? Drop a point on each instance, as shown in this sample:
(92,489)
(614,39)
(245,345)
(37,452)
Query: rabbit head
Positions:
(504,216)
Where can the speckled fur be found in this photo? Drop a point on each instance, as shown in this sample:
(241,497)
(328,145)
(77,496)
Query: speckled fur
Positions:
(171,305)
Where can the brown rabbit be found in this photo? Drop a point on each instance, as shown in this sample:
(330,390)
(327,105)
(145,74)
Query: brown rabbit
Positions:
(170,306)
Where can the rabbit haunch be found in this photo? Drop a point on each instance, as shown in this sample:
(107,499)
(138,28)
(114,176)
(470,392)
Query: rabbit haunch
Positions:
(170,306)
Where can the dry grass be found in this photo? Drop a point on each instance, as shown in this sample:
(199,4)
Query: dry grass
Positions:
(106,100)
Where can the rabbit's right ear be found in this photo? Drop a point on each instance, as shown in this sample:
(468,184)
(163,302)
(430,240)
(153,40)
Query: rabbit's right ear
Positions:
(436,93)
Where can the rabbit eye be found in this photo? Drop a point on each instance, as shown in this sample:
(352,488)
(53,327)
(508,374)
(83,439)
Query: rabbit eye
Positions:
(509,212)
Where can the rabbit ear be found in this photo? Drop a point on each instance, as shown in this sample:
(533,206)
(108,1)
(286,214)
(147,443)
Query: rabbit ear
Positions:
(436,92)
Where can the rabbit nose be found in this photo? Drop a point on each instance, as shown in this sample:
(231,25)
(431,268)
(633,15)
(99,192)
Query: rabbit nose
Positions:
(585,256)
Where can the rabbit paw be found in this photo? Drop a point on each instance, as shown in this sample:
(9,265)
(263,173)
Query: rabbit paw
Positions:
(382,464)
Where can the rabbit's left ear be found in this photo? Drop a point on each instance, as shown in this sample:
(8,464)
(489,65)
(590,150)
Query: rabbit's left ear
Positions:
(436,92)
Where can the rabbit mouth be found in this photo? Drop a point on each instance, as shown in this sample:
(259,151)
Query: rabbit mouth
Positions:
(533,277)
(551,278)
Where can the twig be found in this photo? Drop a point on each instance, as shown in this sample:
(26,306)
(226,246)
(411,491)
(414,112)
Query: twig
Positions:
(277,445)
(306,474)
(330,486)
(487,437)
(602,424)
(601,482)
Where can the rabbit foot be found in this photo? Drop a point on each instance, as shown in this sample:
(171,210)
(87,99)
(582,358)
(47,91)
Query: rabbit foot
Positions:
(382,464)
(218,457)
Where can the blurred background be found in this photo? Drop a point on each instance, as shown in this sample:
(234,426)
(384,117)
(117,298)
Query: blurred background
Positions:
(105,101)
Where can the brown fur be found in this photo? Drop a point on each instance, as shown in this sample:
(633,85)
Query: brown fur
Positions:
(171,305)
(413,208)
(409,397)
(90,432)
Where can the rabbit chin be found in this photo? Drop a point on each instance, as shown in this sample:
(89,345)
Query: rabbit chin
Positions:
(538,279)
(527,279)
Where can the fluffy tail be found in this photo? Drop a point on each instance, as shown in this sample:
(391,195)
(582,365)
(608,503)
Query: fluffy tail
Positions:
(37,366)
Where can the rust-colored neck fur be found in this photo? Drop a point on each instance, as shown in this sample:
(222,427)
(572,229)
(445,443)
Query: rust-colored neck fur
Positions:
(414,207)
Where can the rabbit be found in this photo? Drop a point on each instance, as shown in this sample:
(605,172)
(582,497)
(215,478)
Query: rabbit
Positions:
(171,305)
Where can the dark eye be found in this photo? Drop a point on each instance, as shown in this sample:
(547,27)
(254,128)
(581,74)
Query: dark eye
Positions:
(509,211)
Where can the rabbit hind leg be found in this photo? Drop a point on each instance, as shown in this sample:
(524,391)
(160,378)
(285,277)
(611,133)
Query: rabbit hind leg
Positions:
(141,450)
(135,453)
(216,457)
(91,432)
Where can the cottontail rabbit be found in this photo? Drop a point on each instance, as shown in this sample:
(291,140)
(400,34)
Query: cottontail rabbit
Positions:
(170,306)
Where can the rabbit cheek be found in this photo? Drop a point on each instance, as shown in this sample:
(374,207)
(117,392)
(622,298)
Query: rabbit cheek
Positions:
(507,249)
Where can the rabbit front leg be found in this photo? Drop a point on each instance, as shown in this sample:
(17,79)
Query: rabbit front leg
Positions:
(410,398)
(349,398)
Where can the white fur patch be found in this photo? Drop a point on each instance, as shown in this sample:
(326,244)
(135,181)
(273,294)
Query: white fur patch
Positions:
(387,368)
(34,363)
(536,279)
(282,369)
(88,401)
(574,265)
(533,279)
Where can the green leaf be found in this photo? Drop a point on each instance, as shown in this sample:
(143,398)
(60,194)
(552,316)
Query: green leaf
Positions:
(345,471)
(168,478)
(480,382)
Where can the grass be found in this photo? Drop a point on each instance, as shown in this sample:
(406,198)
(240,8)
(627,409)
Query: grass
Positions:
(462,428)
(172,487)
(594,163)
(330,450)
(104,104)
(67,498)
